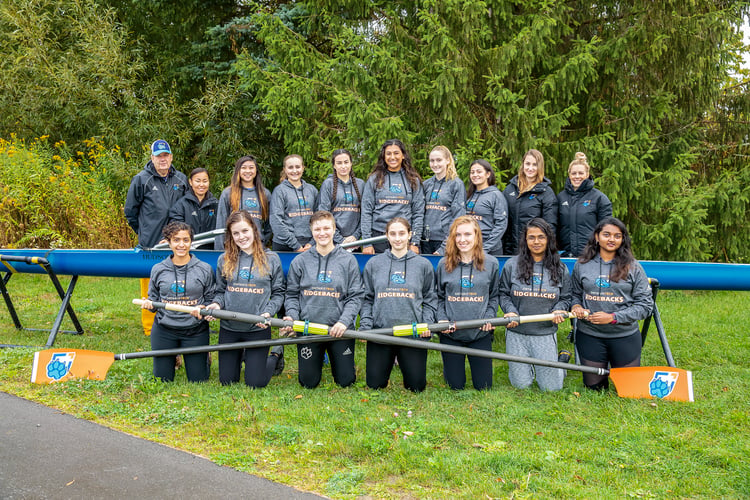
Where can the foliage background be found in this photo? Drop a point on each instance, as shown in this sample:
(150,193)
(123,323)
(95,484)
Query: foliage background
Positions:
(652,92)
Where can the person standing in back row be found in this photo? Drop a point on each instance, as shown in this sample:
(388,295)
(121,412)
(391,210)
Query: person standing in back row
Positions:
(152,193)
(581,206)
(198,207)
(529,195)
(292,204)
(444,200)
(341,194)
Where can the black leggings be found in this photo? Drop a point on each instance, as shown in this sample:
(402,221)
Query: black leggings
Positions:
(412,362)
(310,359)
(454,365)
(196,365)
(259,365)
(600,352)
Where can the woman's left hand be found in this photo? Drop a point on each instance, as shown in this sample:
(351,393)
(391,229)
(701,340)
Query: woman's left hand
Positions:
(197,311)
(337,330)
(601,318)
(487,327)
(559,316)
(265,324)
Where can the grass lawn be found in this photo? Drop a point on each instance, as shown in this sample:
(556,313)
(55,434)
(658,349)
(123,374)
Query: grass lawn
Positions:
(355,442)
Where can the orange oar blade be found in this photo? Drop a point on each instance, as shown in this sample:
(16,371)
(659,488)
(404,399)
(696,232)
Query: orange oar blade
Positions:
(58,365)
(653,382)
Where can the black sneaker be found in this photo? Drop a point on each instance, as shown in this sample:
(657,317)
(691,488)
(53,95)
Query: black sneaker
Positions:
(278,351)
(563,356)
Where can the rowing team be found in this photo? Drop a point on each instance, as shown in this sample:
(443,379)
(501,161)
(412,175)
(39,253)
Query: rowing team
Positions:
(608,291)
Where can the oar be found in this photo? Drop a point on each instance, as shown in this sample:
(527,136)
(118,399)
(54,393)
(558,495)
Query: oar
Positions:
(364,242)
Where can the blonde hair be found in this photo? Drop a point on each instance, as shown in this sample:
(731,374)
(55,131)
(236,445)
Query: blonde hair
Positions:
(523,184)
(453,254)
(450,170)
(283,165)
(580,161)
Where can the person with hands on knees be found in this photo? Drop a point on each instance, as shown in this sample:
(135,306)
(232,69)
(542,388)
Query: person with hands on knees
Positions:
(611,294)
(292,203)
(467,280)
(535,282)
(249,280)
(184,280)
(399,289)
(324,286)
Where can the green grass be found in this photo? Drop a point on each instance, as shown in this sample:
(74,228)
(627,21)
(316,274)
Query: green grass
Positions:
(353,442)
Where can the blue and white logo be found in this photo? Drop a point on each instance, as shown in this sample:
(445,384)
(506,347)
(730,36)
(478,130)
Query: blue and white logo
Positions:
(176,187)
(398,278)
(251,203)
(466,283)
(587,203)
(395,188)
(245,274)
(177,287)
(324,277)
(536,280)
(470,205)
(348,198)
(662,384)
(211,213)
(434,195)
(531,197)
(302,202)
(60,364)
(602,282)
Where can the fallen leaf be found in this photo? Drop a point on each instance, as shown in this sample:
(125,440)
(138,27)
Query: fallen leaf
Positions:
(68,484)
(500,480)
(577,394)
(540,433)
(364,400)
(298,396)
(725,389)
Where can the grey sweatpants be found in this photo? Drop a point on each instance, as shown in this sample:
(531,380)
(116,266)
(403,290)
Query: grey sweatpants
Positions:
(544,347)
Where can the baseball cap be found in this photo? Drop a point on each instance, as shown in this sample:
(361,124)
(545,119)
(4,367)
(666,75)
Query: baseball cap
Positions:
(159,147)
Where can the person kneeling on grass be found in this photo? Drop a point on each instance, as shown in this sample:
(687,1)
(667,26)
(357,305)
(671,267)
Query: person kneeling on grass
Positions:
(249,280)
(535,282)
(180,279)
(324,286)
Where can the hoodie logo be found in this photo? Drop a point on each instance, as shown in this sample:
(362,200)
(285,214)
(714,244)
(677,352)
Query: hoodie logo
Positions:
(324,277)
(245,274)
(602,282)
(348,198)
(211,213)
(176,287)
(398,278)
(175,187)
(434,195)
(303,203)
(470,205)
(251,203)
(587,203)
(466,283)
(536,280)
(531,197)
(395,188)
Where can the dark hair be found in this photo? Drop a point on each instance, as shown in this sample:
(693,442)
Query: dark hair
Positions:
(232,251)
(399,220)
(487,168)
(235,193)
(623,256)
(336,177)
(551,260)
(175,227)
(196,171)
(320,215)
(381,168)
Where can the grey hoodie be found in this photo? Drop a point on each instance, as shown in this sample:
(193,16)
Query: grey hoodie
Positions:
(345,208)
(249,292)
(290,213)
(395,198)
(398,291)
(467,293)
(630,299)
(190,285)
(149,199)
(444,201)
(541,296)
(489,208)
(249,201)
(324,288)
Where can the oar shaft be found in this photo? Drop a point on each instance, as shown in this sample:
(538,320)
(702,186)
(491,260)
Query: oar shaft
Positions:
(364,242)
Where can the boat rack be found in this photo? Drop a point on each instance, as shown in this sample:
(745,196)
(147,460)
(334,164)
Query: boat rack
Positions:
(65,296)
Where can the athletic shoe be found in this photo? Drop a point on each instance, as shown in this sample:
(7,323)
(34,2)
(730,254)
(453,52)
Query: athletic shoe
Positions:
(278,351)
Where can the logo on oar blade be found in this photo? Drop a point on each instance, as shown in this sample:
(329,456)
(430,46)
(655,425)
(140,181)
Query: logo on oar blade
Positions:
(59,365)
(662,384)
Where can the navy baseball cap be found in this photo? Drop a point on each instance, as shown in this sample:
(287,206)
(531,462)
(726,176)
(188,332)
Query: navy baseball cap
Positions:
(159,147)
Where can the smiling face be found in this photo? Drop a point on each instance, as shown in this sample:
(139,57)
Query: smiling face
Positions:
(200,183)
(399,237)
(248,171)
(479,176)
(342,164)
(179,243)
(577,174)
(243,236)
(530,168)
(293,168)
(162,162)
(438,164)
(537,243)
(466,238)
(609,239)
(322,232)
(393,157)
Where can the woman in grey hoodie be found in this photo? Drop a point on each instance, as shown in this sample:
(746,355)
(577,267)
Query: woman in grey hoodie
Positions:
(399,289)
(184,280)
(324,286)
(341,194)
(467,289)
(611,294)
(249,280)
(292,204)
(487,205)
(535,282)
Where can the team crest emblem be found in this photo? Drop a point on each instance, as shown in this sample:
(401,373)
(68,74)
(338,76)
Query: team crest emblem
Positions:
(59,365)
(395,189)
(602,282)
(470,205)
(532,196)
(302,202)
(348,198)
(324,277)
(662,384)
(434,195)
(245,274)
(251,203)
(398,278)
(177,287)
(211,213)
(536,280)
(587,203)
(466,283)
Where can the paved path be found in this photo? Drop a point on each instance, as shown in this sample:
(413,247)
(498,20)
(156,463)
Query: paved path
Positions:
(48,454)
